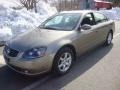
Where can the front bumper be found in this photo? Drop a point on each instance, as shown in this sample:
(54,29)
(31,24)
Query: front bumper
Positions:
(30,67)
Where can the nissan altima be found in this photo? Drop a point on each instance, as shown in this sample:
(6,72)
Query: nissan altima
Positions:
(55,44)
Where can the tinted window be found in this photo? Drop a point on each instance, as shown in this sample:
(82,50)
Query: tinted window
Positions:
(100,17)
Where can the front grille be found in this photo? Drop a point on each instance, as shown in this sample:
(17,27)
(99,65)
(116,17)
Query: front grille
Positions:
(11,52)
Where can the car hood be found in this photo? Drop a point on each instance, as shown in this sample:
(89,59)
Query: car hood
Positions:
(36,38)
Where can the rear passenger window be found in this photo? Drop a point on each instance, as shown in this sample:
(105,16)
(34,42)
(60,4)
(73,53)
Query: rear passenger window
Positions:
(99,18)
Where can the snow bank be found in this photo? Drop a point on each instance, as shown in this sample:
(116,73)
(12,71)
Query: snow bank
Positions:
(14,22)
(10,3)
(113,14)
(5,34)
(45,8)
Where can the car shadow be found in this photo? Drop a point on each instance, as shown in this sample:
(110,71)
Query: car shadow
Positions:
(15,81)
(10,80)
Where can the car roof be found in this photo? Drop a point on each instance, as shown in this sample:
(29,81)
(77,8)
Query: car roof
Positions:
(78,11)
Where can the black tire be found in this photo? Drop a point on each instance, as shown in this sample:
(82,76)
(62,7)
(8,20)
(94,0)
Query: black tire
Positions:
(109,39)
(56,70)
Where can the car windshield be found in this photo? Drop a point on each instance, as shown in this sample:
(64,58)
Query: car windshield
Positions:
(66,21)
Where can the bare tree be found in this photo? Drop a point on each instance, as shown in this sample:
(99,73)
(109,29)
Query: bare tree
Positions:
(115,2)
(29,4)
(68,5)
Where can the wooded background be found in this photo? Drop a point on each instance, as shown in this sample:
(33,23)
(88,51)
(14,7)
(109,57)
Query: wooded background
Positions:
(75,4)
(62,4)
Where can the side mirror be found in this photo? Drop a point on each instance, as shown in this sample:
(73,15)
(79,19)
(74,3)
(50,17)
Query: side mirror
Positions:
(86,27)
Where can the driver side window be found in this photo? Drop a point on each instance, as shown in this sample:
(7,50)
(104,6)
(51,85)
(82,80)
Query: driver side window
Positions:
(88,19)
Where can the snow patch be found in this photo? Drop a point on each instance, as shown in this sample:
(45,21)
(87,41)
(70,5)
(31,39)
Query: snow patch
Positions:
(113,14)
(14,22)
(5,34)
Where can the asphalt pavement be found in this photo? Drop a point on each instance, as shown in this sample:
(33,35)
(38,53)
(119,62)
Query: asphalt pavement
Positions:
(98,69)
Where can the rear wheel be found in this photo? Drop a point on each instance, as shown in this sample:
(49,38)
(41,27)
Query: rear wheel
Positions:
(63,61)
(109,39)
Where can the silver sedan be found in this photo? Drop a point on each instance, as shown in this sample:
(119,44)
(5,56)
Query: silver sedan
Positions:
(55,44)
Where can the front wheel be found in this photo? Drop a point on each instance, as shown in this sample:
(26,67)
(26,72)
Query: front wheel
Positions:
(63,61)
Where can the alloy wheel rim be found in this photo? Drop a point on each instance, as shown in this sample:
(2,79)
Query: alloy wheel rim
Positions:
(65,62)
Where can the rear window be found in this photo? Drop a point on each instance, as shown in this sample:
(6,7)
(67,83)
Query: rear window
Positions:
(100,17)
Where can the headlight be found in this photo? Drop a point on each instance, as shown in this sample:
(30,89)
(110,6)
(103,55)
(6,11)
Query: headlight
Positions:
(34,53)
